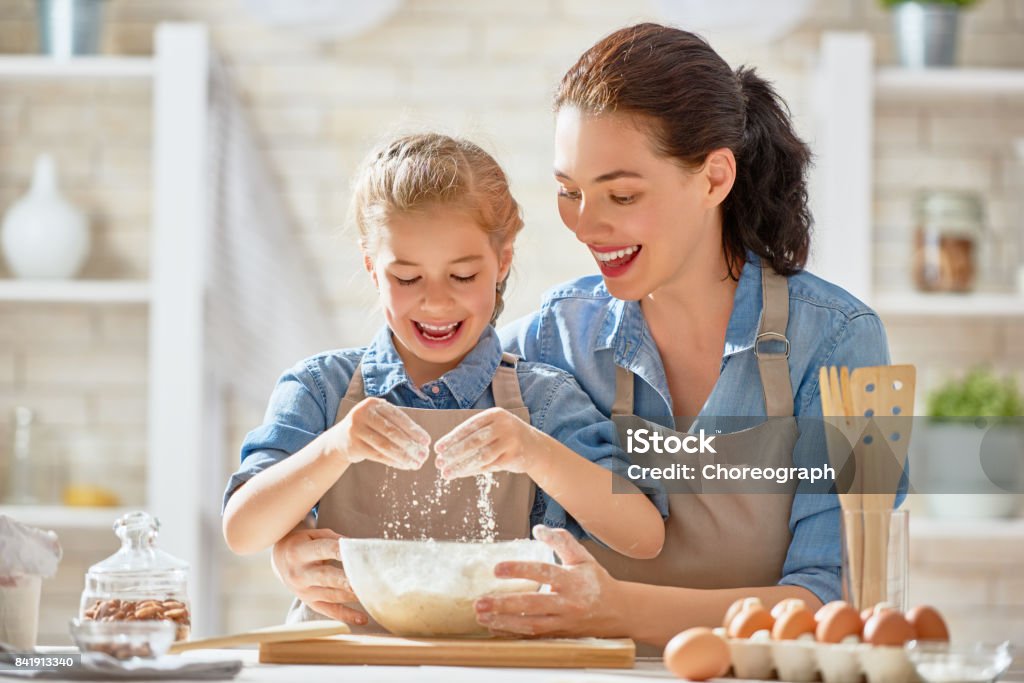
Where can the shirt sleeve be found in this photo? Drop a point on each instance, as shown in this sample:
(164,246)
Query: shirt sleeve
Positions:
(296,414)
(569,416)
(813,560)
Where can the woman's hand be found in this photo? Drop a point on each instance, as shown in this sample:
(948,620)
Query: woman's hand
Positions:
(301,561)
(583,600)
(495,440)
(379,431)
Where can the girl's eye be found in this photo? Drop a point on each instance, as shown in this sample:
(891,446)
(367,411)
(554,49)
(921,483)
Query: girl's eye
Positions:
(406,283)
(468,278)
(569,194)
(624,199)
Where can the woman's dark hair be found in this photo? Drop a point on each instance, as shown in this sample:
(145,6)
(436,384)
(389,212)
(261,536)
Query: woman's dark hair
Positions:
(692,103)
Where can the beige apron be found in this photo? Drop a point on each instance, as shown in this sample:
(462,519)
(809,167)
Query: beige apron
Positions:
(371,500)
(726,540)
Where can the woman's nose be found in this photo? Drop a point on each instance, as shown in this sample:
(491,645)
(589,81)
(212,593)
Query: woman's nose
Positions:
(587,223)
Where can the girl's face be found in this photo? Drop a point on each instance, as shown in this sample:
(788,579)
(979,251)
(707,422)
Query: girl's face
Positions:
(436,273)
(645,218)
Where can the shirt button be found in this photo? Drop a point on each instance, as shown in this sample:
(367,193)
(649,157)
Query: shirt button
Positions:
(435,389)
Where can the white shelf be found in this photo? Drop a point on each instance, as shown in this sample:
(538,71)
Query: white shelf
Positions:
(898,83)
(76,291)
(65,517)
(964,305)
(34,66)
(937,528)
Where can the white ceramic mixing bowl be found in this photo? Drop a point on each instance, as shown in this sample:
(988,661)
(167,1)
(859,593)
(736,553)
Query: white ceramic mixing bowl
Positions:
(427,588)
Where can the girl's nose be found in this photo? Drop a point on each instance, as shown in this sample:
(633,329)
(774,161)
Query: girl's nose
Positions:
(437,297)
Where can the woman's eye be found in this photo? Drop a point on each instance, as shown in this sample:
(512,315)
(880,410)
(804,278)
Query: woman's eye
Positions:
(468,278)
(406,283)
(623,199)
(568,194)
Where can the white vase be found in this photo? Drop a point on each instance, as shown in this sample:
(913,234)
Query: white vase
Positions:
(43,235)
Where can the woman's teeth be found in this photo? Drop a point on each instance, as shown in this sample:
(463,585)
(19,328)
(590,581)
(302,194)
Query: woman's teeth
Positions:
(438,332)
(608,256)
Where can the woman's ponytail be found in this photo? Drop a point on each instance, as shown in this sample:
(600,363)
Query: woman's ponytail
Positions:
(767,210)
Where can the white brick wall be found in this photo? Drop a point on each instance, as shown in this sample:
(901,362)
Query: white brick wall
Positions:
(484,69)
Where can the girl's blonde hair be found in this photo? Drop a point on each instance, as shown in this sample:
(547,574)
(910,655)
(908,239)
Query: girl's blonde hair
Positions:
(425,171)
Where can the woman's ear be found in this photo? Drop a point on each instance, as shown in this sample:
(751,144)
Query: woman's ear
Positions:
(720,172)
(368,265)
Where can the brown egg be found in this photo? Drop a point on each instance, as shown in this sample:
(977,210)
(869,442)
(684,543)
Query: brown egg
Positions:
(737,606)
(836,621)
(928,624)
(749,621)
(793,624)
(888,627)
(697,654)
(787,605)
(869,612)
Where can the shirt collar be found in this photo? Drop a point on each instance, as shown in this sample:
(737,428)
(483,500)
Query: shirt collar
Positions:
(383,370)
(623,326)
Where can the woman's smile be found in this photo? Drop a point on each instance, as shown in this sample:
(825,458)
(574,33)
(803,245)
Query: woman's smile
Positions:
(615,261)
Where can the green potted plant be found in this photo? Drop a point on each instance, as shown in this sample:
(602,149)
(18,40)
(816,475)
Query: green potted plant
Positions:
(974,445)
(926,30)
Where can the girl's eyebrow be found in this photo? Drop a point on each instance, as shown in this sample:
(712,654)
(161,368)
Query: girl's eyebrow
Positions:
(463,259)
(604,177)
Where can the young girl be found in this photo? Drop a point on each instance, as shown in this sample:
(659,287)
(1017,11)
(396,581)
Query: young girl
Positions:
(350,431)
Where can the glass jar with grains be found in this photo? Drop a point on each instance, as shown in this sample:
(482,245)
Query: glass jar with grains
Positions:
(949,233)
(139,582)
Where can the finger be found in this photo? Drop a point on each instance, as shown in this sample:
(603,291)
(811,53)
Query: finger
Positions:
(339,612)
(381,449)
(405,430)
(317,550)
(473,442)
(326,576)
(475,463)
(464,430)
(522,604)
(565,545)
(523,626)
(541,572)
(313,594)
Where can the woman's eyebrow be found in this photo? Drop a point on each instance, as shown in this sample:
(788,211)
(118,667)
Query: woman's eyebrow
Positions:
(604,177)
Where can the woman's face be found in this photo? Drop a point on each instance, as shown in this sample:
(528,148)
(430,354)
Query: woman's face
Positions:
(642,215)
(436,273)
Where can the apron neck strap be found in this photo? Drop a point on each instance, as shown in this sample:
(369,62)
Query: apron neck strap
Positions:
(773,366)
(505,386)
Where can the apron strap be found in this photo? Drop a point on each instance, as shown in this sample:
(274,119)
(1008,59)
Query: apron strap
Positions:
(353,395)
(505,384)
(774,366)
(623,405)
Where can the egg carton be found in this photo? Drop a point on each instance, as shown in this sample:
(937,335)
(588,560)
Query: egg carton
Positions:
(800,661)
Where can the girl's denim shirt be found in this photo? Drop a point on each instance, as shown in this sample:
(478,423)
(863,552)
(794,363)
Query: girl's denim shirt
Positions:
(306,398)
(582,329)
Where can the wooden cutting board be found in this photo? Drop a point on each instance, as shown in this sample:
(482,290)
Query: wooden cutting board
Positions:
(270,634)
(393,650)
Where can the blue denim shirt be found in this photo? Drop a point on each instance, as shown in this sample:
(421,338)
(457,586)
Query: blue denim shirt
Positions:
(305,402)
(581,328)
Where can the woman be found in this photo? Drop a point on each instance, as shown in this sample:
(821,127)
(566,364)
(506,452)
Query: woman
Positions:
(687,183)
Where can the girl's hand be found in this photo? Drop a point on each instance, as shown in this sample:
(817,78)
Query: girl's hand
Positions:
(301,561)
(583,599)
(491,441)
(378,431)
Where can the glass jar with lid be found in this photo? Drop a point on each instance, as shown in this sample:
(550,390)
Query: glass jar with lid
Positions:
(139,582)
(949,233)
